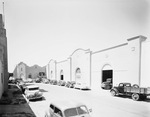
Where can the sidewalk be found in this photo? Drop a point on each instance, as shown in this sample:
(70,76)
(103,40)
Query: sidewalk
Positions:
(13,104)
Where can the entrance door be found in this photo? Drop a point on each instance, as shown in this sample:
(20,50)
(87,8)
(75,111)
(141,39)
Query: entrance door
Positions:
(61,75)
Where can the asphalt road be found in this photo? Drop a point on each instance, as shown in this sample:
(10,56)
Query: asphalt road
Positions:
(102,103)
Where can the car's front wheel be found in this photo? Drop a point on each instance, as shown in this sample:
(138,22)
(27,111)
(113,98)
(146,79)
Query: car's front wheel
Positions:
(113,92)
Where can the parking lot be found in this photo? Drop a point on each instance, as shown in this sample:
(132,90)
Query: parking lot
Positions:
(102,103)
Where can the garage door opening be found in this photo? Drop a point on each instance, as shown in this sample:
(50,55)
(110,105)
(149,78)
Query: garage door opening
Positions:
(61,75)
(107,77)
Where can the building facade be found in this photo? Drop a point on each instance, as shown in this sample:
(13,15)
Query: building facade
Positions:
(127,62)
(3,58)
(77,67)
(24,71)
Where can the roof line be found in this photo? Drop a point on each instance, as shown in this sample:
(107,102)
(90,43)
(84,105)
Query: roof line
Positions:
(110,48)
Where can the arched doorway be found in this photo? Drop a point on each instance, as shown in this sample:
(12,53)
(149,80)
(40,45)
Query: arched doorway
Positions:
(107,76)
(22,76)
(51,75)
(61,75)
(78,75)
(30,75)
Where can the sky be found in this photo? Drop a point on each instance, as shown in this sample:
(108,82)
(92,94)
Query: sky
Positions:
(41,30)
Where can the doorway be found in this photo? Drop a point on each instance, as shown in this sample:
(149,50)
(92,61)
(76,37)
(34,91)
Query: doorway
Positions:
(107,77)
(78,75)
(107,74)
(61,75)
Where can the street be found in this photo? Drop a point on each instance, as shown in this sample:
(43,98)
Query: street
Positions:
(102,103)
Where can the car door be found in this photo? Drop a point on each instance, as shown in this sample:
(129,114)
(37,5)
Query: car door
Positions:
(121,88)
(57,112)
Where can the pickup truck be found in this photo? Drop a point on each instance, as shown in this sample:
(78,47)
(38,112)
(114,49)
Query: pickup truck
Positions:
(136,92)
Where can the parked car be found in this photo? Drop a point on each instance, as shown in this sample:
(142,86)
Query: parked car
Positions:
(62,83)
(107,84)
(22,86)
(62,108)
(72,84)
(81,86)
(32,92)
(134,91)
(59,82)
(68,83)
(55,82)
(46,81)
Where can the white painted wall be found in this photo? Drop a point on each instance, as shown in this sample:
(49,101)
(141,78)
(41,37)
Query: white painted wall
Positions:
(65,66)
(81,59)
(22,71)
(145,67)
(123,59)
(52,70)
(129,62)
(117,58)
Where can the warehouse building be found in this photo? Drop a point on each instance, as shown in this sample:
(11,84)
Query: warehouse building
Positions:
(24,71)
(126,62)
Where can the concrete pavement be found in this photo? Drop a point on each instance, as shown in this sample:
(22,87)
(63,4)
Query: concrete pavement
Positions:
(13,104)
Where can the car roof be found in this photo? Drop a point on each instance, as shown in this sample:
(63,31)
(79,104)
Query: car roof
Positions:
(32,86)
(65,104)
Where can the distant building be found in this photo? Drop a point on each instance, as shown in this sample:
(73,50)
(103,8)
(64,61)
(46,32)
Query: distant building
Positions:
(24,71)
(127,62)
(3,58)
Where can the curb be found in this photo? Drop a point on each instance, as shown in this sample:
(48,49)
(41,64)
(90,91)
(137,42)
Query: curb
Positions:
(23,95)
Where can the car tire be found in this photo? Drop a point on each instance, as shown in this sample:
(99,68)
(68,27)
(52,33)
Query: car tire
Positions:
(135,96)
(113,92)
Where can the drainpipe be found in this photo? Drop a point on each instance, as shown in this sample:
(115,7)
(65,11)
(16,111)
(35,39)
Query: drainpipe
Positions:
(70,68)
(55,70)
(90,69)
(142,38)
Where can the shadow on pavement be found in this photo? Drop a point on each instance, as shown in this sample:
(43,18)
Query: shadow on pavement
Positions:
(41,99)
(13,104)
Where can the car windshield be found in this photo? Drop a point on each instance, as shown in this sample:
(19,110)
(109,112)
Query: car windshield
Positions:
(82,110)
(75,111)
(70,112)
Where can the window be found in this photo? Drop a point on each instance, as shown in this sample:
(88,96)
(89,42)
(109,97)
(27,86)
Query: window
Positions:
(51,74)
(82,110)
(52,107)
(71,112)
(30,76)
(58,112)
(121,85)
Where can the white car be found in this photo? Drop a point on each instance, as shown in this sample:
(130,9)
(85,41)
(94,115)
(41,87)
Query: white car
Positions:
(81,86)
(61,108)
(32,92)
